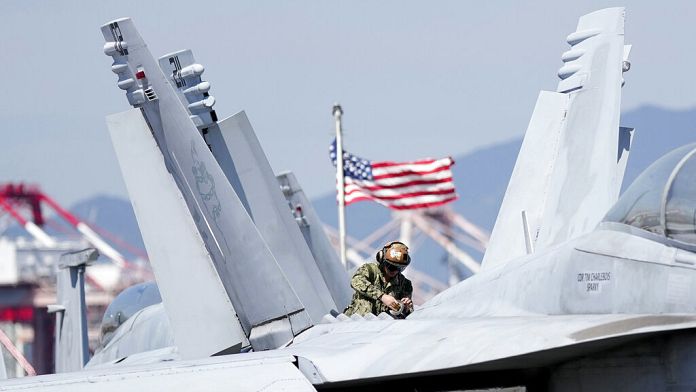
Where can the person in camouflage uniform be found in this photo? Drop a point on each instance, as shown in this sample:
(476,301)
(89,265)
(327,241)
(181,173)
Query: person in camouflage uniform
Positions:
(380,286)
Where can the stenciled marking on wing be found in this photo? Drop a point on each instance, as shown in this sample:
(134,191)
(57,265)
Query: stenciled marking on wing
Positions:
(592,282)
(198,206)
(205,181)
(205,184)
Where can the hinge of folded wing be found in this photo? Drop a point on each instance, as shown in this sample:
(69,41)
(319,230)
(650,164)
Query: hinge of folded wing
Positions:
(279,332)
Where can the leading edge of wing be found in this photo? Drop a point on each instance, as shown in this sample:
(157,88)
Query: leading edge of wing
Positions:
(270,373)
(409,348)
(378,350)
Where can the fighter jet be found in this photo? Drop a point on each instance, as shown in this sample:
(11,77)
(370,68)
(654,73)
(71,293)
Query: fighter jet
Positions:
(579,290)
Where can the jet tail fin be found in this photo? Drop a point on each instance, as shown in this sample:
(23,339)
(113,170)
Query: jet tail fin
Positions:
(268,307)
(566,187)
(312,230)
(72,347)
(237,150)
(203,320)
(528,187)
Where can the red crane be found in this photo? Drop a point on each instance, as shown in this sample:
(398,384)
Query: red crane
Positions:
(14,196)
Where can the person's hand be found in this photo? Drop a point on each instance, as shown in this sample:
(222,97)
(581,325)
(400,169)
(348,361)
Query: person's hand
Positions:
(407,301)
(389,301)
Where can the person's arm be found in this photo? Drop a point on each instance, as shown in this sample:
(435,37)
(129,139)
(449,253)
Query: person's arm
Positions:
(362,284)
(408,293)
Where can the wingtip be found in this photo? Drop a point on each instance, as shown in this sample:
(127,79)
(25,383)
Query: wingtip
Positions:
(119,20)
(607,19)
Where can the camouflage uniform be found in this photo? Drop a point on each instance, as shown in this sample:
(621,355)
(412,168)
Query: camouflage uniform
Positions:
(369,284)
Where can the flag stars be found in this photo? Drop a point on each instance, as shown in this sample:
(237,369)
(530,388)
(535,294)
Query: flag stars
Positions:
(353,166)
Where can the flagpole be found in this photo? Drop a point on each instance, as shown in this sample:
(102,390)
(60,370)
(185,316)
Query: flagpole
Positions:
(340,181)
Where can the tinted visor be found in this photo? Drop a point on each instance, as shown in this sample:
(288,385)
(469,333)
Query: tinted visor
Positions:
(394,268)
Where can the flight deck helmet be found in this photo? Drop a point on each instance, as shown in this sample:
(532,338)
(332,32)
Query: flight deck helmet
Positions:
(394,256)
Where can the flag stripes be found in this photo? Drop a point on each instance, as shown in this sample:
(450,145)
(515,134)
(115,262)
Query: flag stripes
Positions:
(398,185)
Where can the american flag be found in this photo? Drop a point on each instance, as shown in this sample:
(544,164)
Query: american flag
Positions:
(397,185)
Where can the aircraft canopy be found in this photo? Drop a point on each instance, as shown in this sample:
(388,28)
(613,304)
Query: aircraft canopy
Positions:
(126,304)
(662,200)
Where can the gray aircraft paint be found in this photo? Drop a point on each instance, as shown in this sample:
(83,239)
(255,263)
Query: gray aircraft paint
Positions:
(531,304)
(203,319)
(527,189)
(568,174)
(241,257)
(312,229)
(212,374)
(237,150)
(184,74)
(585,176)
(72,346)
(615,301)
(605,271)
(149,331)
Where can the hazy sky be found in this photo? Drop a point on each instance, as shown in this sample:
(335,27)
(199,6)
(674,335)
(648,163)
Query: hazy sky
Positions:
(416,79)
